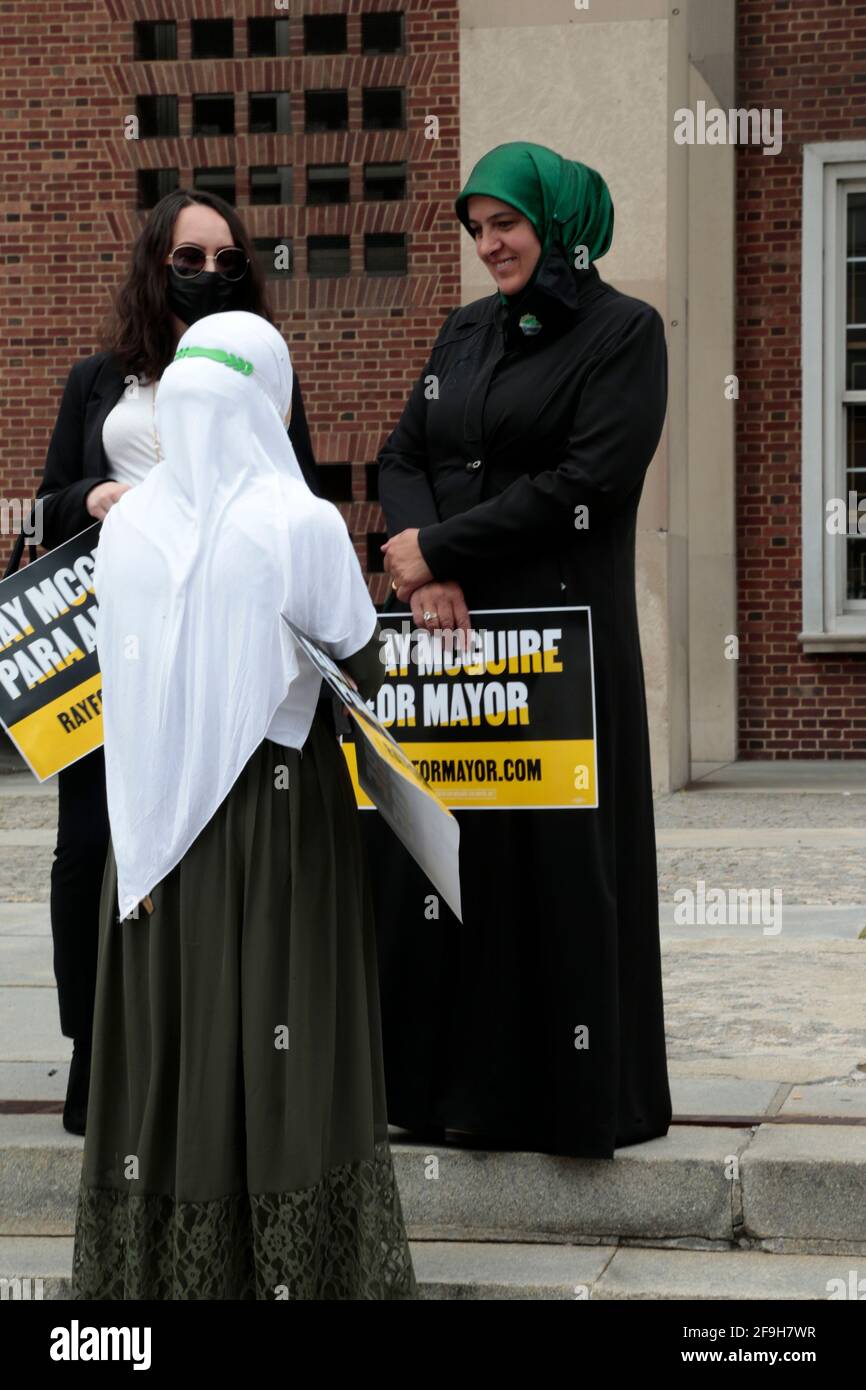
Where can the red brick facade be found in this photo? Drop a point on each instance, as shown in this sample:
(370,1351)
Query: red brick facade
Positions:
(69,77)
(808,58)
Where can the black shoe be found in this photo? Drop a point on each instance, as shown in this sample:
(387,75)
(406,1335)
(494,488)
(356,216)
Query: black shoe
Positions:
(75,1109)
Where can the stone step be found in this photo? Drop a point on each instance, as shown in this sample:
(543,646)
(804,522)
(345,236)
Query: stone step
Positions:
(786,1188)
(506,1270)
(845,1097)
(789,1188)
(463,1270)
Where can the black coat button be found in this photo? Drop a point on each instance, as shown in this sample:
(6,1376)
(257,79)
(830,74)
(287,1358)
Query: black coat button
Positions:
(470,467)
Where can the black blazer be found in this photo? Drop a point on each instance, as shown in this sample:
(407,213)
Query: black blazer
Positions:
(76,460)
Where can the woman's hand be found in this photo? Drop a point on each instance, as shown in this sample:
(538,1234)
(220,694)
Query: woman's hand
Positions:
(101,499)
(405,563)
(445,603)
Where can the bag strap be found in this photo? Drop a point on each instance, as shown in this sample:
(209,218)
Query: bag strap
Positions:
(15,557)
(20,541)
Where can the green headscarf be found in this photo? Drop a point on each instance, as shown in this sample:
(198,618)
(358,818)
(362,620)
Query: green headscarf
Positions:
(566,202)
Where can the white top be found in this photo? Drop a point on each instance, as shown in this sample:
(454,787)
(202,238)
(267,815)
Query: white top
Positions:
(128,439)
(194,569)
(128,436)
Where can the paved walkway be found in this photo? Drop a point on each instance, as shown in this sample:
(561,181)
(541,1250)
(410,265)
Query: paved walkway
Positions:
(764,1014)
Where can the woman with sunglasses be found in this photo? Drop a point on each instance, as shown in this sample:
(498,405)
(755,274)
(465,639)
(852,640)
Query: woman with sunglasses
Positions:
(192,258)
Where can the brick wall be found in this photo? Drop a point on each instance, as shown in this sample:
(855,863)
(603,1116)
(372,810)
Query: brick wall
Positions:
(68,78)
(807,57)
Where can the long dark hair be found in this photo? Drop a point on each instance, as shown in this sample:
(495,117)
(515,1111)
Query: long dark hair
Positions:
(138,329)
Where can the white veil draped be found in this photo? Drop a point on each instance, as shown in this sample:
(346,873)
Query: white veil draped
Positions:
(193,569)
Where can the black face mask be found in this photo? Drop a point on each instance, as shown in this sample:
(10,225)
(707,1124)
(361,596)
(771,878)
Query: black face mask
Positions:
(206,293)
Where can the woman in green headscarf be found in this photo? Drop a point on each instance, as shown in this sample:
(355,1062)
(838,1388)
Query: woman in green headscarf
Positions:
(564,202)
(512,481)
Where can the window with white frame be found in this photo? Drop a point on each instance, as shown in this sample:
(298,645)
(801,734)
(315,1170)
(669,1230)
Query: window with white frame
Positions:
(853,554)
(834,396)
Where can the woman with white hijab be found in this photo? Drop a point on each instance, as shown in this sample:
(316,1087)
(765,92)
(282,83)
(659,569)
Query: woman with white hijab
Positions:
(237,1140)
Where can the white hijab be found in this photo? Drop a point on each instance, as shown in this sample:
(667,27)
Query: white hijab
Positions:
(193,569)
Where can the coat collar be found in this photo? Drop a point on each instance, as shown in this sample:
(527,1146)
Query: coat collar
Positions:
(109,379)
(554,302)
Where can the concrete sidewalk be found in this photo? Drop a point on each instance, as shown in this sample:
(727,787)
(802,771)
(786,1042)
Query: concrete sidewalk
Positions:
(744,1004)
(766,1033)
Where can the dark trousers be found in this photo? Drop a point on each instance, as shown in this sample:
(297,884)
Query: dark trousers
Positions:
(76,883)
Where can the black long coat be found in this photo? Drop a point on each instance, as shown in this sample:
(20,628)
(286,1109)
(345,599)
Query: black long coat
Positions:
(560,907)
(76,460)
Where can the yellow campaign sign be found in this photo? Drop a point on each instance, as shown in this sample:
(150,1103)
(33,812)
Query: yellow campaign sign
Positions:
(533,774)
(63,731)
(390,752)
(501,719)
(50,684)
(387,780)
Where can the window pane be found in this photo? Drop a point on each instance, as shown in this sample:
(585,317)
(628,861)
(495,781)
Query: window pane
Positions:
(326,111)
(335,481)
(270,112)
(275,255)
(855,483)
(385,253)
(267,38)
(855,293)
(328,255)
(856,377)
(384,181)
(382,108)
(219,180)
(271,183)
(857,224)
(327,183)
(213,38)
(857,568)
(325,33)
(155,40)
(213,114)
(381,33)
(153,184)
(156,116)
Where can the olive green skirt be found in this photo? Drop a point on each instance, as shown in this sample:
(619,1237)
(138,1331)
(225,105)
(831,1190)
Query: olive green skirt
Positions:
(237,1137)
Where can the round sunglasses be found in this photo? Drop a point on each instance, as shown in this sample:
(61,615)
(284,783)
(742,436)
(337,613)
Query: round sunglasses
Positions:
(188,261)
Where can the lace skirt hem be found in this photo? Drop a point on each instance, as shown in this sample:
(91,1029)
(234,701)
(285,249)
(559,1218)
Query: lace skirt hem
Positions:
(343,1238)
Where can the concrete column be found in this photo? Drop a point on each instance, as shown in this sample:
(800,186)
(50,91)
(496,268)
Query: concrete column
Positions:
(600,84)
